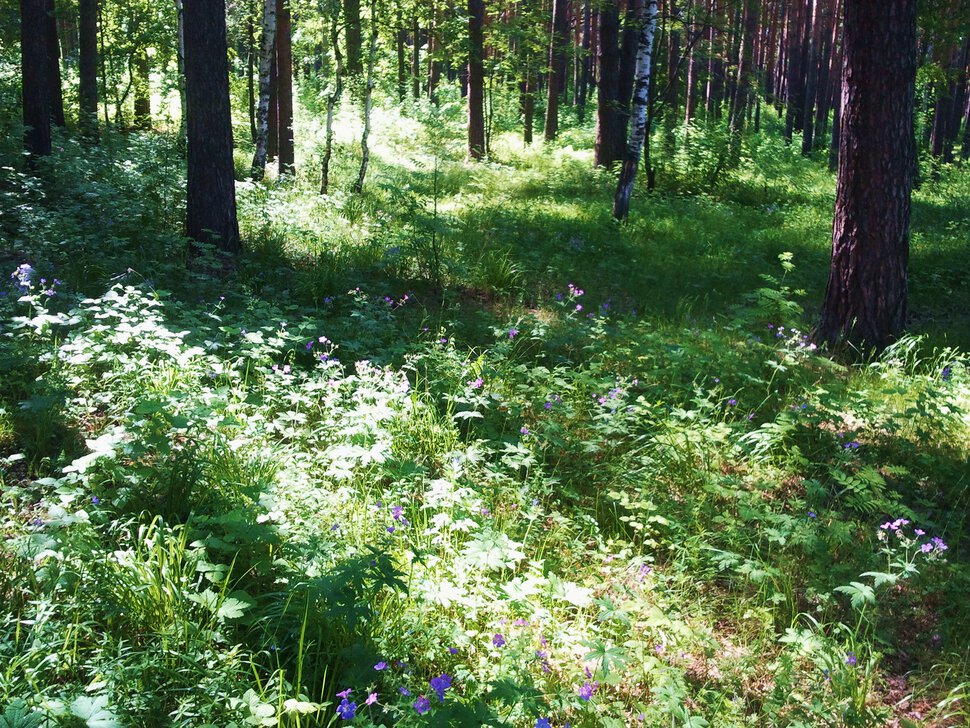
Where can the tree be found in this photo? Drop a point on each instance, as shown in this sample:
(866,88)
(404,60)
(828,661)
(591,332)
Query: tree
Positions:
(865,301)
(211,199)
(266,49)
(610,119)
(646,22)
(284,91)
(56,98)
(557,66)
(35,77)
(476,79)
(88,67)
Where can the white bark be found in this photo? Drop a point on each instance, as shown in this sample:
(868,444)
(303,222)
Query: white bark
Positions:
(262,110)
(647,22)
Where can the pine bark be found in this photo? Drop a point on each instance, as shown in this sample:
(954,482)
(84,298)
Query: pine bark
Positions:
(211,198)
(646,24)
(557,66)
(142,93)
(284,89)
(35,77)
(352,28)
(88,68)
(55,91)
(476,79)
(266,53)
(610,116)
(865,301)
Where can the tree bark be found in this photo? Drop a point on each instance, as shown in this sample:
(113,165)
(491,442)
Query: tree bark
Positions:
(55,91)
(610,116)
(211,199)
(865,301)
(646,22)
(35,77)
(180,61)
(284,89)
(251,70)
(354,37)
(88,68)
(402,75)
(332,101)
(266,52)
(140,82)
(585,62)
(557,66)
(368,101)
(476,79)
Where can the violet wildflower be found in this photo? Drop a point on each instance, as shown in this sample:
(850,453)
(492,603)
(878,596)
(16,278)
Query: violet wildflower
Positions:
(380,666)
(523,430)
(440,684)
(498,640)
(732,402)
(513,332)
(926,548)
(404,691)
(587,690)
(371,699)
(850,658)
(95,500)
(453,650)
(938,542)
(476,383)
(543,723)
(422,705)
(345,693)
(346,709)
(812,514)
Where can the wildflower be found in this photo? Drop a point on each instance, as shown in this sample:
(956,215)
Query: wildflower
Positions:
(95,500)
(286,368)
(732,402)
(498,640)
(919,532)
(422,705)
(947,373)
(579,307)
(523,430)
(542,723)
(521,623)
(587,690)
(371,699)
(926,548)
(851,445)
(476,383)
(346,709)
(938,542)
(812,514)
(309,345)
(380,666)
(453,650)
(440,684)
(397,513)
(548,405)
(513,332)
(850,658)
(404,691)
(345,694)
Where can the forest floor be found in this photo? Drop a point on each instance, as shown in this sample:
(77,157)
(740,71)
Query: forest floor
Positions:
(462,450)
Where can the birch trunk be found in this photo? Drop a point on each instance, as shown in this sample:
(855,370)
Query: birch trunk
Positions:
(368,101)
(647,26)
(332,101)
(262,110)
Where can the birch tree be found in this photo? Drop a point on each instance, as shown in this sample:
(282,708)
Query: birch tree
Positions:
(646,28)
(262,110)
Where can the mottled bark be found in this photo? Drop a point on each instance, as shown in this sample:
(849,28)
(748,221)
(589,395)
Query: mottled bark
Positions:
(266,52)
(476,80)
(368,102)
(352,29)
(865,301)
(211,198)
(646,24)
(284,88)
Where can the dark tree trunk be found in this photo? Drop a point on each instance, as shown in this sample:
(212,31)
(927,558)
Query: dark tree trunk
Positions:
(557,66)
(415,59)
(744,86)
(811,80)
(835,142)
(585,61)
(610,116)
(35,77)
(251,70)
(528,104)
(56,99)
(88,68)
(795,78)
(402,73)
(865,301)
(673,66)
(142,93)
(332,102)
(273,116)
(211,199)
(352,29)
(476,80)
(284,92)
(358,186)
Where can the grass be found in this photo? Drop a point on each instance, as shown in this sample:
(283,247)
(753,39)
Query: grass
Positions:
(466,425)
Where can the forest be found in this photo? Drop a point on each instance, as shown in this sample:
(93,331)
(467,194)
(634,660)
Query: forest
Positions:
(526,363)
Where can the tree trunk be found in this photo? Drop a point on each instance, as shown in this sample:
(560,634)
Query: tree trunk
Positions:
(180,62)
(251,71)
(557,66)
(646,22)
(273,120)
(402,74)
(744,86)
(140,82)
(811,80)
(416,59)
(528,104)
(35,77)
(88,68)
(865,301)
(56,98)
(353,31)
(476,80)
(610,117)
(332,101)
(266,52)
(585,63)
(211,199)
(284,88)
(368,101)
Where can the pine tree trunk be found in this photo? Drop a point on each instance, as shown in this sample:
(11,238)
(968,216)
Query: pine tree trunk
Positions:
(585,62)
(54,65)
(36,77)
(180,63)
(415,59)
(865,301)
(273,120)
(251,70)
(211,198)
(402,74)
(646,23)
(266,52)
(88,68)
(284,89)
(368,102)
(557,66)
(610,118)
(476,79)
(353,32)
(811,80)
(528,104)
(143,100)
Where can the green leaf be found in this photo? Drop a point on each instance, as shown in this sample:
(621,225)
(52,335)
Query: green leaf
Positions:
(859,593)
(18,715)
(94,712)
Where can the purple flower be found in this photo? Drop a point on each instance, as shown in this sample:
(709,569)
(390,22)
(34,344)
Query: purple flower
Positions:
(851,445)
(345,694)
(938,542)
(919,532)
(422,705)
(587,690)
(812,514)
(732,402)
(95,500)
(404,691)
(548,405)
(498,640)
(476,383)
(523,430)
(380,665)
(947,373)
(542,723)
(371,699)
(453,650)
(346,709)
(926,548)
(850,658)
(440,684)
(513,332)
